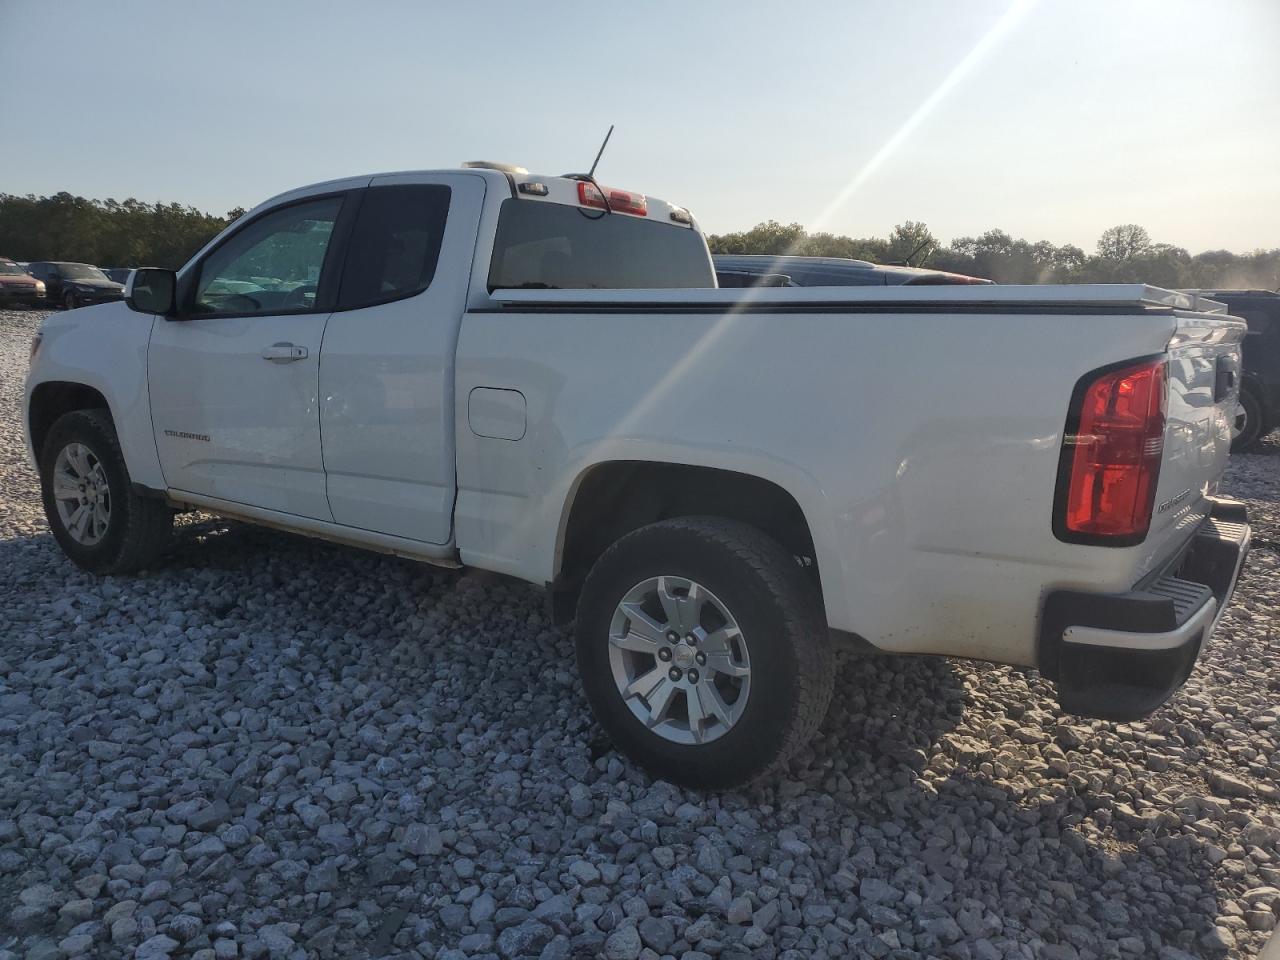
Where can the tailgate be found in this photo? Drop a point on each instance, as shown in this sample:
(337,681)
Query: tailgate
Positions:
(1204,382)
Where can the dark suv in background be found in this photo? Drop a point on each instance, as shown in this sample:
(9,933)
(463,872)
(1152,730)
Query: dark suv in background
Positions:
(75,284)
(1259,411)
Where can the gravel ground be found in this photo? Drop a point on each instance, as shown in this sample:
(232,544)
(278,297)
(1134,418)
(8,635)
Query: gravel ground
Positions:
(278,747)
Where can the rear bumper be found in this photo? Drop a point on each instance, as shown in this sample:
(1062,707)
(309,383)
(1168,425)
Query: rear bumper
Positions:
(1120,656)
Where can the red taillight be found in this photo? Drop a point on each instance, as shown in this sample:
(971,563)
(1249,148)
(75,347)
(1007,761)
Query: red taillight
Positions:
(1111,458)
(620,201)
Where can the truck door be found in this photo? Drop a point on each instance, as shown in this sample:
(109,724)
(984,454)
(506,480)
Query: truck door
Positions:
(387,368)
(233,381)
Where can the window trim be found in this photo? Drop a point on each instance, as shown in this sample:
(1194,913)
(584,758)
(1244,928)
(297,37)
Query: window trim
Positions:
(326,283)
(355,219)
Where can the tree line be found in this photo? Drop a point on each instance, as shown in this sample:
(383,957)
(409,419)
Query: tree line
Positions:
(1124,254)
(108,233)
(135,233)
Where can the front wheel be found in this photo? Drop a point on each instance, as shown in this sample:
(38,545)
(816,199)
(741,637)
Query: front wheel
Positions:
(97,519)
(703,651)
(69,301)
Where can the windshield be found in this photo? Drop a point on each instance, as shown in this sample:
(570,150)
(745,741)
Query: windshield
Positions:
(555,247)
(11,269)
(79,271)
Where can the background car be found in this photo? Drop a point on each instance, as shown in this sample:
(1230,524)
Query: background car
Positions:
(745,278)
(75,284)
(737,269)
(118,274)
(19,287)
(1259,410)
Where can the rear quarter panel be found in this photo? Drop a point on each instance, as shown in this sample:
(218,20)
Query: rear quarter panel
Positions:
(923,448)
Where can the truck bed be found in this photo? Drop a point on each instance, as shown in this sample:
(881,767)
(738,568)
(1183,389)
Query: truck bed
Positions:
(913,425)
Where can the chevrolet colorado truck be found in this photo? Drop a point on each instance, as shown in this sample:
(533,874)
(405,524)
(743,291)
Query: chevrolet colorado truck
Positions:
(537,376)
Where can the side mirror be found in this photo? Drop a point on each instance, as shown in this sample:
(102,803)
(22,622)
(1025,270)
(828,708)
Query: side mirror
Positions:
(151,290)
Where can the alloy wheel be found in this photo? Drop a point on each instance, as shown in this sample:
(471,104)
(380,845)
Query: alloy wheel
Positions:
(82,494)
(679,660)
(1240,423)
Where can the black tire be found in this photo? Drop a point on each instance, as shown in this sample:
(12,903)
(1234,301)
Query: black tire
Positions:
(69,302)
(783,627)
(138,528)
(1254,427)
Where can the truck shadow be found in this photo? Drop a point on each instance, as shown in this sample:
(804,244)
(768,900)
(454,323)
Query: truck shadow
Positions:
(912,779)
(909,774)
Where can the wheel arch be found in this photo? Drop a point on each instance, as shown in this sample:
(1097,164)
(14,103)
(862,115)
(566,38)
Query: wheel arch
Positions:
(54,398)
(51,398)
(611,498)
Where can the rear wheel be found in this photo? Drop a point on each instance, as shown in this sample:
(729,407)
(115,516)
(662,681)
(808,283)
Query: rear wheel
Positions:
(1247,428)
(95,516)
(703,650)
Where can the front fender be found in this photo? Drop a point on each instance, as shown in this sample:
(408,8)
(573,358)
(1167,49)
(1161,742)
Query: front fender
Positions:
(104,348)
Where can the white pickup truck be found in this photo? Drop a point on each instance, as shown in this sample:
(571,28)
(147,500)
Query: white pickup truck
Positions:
(537,376)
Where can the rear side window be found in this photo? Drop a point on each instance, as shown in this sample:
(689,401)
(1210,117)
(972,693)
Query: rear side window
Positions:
(395,244)
(551,246)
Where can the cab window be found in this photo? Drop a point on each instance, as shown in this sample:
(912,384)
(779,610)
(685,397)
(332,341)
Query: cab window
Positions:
(395,244)
(272,265)
(552,246)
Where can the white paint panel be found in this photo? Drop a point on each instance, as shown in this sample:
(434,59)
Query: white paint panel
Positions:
(497,414)
(922,448)
(104,347)
(232,425)
(387,390)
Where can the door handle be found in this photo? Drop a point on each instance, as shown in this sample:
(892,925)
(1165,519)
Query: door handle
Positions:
(284,353)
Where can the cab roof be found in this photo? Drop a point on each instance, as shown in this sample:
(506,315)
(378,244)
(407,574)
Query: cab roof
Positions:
(568,189)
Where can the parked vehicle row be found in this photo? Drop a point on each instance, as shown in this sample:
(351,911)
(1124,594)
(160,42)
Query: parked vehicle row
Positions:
(59,283)
(535,376)
(75,284)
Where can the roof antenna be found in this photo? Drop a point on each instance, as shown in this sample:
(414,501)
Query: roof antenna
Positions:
(590,177)
(591,174)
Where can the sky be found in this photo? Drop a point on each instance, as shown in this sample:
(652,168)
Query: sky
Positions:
(1050,119)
